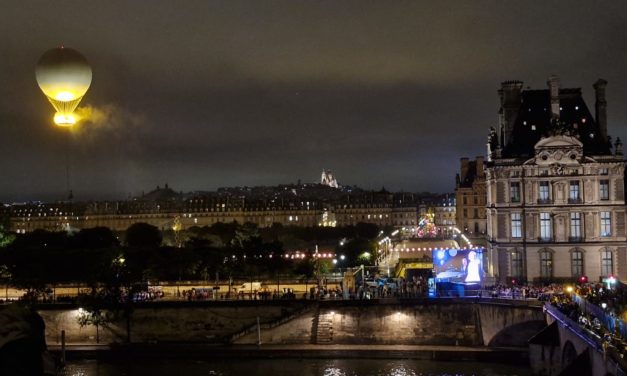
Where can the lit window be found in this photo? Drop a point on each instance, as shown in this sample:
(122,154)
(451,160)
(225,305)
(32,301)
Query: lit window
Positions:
(516,225)
(573,195)
(606,224)
(544,191)
(576,263)
(575,225)
(604,190)
(545,226)
(515,192)
(607,262)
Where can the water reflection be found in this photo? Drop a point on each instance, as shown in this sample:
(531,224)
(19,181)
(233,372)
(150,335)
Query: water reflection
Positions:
(402,371)
(334,371)
(289,367)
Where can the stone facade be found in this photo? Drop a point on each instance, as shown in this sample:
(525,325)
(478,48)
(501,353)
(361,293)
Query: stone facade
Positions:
(470,195)
(381,208)
(555,189)
(445,216)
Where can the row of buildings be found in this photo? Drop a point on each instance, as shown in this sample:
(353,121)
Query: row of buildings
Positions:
(303,205)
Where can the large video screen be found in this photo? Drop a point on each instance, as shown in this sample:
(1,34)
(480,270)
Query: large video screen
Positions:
(458,265)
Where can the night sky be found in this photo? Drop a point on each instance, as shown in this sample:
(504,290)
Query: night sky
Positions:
(206,94)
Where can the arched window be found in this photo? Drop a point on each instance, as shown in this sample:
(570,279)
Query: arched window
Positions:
(516,261)
(607,262)
(546,263)
(576,262)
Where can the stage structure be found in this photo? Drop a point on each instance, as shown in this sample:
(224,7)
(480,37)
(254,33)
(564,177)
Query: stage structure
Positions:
(458,272)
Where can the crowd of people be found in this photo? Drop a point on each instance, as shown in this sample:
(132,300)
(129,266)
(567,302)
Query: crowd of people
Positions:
(587,306)
(525,291)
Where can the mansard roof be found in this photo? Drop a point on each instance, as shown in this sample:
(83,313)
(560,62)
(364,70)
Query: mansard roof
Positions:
(533,121)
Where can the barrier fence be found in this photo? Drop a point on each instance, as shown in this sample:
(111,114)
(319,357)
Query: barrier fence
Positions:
(611,322)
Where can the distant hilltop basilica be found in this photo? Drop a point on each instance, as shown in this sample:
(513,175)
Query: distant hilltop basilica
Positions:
(328,179)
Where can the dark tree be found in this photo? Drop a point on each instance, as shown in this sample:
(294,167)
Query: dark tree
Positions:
(95,238)
(143,235)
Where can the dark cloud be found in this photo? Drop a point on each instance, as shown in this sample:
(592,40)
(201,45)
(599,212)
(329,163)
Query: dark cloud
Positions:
(206,94)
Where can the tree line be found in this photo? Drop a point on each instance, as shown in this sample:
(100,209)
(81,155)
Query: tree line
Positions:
(102,259)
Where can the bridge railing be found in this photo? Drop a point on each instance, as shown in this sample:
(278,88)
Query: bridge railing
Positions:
(611,322)
(593,341)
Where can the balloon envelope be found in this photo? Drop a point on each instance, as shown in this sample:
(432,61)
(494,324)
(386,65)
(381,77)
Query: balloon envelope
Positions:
(64,76)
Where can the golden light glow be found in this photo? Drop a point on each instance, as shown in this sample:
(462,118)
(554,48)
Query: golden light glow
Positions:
(64,76)
(64,119)
(64,96)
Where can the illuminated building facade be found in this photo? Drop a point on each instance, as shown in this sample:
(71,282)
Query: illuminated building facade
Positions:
(263,206)
(445,215)
(555,188)
(470,195)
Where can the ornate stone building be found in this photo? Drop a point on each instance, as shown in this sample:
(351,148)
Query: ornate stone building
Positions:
(555,187)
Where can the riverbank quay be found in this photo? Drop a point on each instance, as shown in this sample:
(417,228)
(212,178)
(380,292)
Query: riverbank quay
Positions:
(412,322)
(510,355)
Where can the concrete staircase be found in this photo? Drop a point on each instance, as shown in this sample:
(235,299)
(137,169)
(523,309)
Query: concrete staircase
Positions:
(324,328)
(284,318)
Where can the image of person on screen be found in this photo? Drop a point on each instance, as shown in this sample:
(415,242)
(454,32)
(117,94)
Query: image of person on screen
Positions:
(473,267)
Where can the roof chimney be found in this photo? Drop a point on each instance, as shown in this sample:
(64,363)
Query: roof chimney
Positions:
(510,94)
(554,89)
(479,167)
(464,169)
(600,107)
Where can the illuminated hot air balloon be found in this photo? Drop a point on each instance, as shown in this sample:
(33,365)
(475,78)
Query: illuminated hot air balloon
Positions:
(64,76)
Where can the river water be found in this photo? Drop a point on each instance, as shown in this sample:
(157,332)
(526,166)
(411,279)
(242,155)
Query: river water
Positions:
(289,367)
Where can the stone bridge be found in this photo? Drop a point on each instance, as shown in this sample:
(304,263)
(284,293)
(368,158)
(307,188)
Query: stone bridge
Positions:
(564,348)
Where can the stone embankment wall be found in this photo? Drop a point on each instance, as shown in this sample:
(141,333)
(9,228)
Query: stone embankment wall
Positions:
(423,322)
(165,323)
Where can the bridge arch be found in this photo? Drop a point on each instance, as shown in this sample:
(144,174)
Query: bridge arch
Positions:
(569,353)
(509,324)
(517,334)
